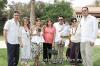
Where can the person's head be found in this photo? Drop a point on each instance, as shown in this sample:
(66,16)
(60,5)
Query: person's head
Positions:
(38,23)
(16,15)
(73,21)
(85,11)
(61,20)
(49,22)
(38,19)
(25,21)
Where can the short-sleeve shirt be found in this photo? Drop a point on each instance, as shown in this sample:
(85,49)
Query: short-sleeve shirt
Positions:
(61,30)
(49,34)
(12,28)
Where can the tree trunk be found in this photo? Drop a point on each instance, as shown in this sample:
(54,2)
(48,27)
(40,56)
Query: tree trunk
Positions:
(32,13)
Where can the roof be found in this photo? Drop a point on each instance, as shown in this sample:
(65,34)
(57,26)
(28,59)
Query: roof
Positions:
(91,9)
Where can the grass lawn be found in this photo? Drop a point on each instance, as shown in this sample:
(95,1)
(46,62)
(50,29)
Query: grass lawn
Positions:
(1,38)
(96,56)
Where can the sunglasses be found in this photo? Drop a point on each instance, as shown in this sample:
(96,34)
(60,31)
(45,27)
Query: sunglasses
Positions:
(17,15)
(60,19)
(75,21)
(84,10)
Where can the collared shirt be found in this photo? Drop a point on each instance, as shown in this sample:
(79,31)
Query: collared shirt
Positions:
(61,30)
(89,28)
(12,28)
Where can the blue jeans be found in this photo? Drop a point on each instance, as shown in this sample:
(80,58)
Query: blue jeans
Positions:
(13,54)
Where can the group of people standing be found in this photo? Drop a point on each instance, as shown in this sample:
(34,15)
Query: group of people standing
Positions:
(27,42)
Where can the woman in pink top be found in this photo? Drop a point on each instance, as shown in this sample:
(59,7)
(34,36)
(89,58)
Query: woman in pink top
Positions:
(49,35)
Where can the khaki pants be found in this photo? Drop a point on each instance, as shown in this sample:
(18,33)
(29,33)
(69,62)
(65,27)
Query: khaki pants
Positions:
(86,53)
(59,56)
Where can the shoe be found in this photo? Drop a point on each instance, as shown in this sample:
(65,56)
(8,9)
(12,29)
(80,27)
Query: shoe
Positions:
(49,62)
(60,62)
(54,62)
(45,60)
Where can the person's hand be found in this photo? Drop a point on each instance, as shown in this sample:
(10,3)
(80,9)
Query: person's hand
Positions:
(62,36)
(61,42)
(53,45)
(5,41)
(21,45)
(44,26)
(91,43)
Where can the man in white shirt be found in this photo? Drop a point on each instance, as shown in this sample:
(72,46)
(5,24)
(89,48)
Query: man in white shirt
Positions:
(11,34)
(89,27)
(61,31)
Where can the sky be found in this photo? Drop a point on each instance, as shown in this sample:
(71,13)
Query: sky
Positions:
(75,3)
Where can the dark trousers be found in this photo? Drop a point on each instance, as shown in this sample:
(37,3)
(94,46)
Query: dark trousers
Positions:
(13,54)
(75,54)
(46,48)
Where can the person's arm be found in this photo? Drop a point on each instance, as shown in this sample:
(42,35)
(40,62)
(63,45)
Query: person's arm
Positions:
(95,31)
(5,31)
(69,38)
(20,37)
(54,38)
(21,44)
(5,35)
(70,33)
(43,31)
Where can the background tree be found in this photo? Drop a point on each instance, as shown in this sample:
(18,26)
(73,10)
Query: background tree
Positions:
(59,9)
(2,14)
(39,8)
(44,10)
(26,8)
(97,3)
(23,8)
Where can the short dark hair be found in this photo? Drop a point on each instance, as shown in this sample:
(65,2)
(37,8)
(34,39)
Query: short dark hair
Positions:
(73,19)
(17,12)
(85,7)
(61,16)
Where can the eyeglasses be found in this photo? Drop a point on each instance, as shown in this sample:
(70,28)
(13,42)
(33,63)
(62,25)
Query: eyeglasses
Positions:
(17,15)
(84,10)
(60,19)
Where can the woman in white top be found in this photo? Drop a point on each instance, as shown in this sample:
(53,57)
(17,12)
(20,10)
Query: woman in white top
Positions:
(75,56)
(25,42)
(37,41)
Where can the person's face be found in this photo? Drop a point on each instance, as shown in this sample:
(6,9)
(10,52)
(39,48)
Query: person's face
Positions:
(38,23)
(84,11)
(25,22)
(16,16)
(61,20)
(74,23)
(49,23)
